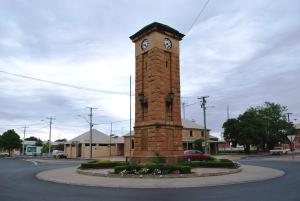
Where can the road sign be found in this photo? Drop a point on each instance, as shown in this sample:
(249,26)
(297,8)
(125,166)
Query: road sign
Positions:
(291,137)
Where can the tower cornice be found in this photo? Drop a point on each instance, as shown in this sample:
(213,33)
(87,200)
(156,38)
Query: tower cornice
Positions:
(156,26)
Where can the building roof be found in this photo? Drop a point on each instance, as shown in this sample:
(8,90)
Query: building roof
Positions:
(187,124)
(97,137)
(29,143)
(213,137)
(191,124)
(127,135)
(156,26)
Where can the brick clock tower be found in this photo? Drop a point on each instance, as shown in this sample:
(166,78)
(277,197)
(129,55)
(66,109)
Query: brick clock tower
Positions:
(158,128)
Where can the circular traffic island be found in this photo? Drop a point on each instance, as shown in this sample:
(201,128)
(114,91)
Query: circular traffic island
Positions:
(157,175)
(154,169)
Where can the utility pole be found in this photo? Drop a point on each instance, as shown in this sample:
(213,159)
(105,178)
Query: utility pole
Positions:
(91,130)
(24,131)
(288,115)
(203,106)
(50,123)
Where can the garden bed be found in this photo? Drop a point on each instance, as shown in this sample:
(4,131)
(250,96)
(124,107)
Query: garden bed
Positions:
(121,168)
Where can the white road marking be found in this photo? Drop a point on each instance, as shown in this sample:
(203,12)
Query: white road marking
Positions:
(34,162)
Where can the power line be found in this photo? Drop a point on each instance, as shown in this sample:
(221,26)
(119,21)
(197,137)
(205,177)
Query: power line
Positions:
(39,129)
(63,84)
(196,19)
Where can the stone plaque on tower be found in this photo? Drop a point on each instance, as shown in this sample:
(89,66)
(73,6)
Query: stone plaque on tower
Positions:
(158,128)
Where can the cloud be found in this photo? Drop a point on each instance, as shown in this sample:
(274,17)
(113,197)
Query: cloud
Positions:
(240,53)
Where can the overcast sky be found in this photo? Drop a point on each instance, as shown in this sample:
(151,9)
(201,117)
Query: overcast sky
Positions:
(240,53)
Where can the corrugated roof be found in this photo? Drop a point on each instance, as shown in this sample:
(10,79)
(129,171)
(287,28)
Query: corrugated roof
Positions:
(97,137)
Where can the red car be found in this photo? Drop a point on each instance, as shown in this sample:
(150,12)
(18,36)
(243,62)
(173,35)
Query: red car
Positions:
(195,155)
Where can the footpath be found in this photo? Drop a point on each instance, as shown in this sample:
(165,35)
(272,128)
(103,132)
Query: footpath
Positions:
(247,174)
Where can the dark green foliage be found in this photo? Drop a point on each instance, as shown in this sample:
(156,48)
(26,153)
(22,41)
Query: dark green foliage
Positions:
(38,141)
(263,127)
(101,164)
(61,140)
(154,169)
(10,140)
(60,146)
(231,132)
(45,148)
(156,160)
(198,145)
(209,158)
(222,163)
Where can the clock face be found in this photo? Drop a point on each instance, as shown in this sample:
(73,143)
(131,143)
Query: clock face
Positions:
(145,44)
(167,43)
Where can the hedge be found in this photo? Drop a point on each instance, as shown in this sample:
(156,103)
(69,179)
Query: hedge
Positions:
(153,169)
(101,164)
(223,163)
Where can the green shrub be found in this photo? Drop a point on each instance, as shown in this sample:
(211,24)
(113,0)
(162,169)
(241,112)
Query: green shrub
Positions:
(153,169)
(93,161)
(156,160)
(101,164)
(225,160)
(209,158)
(225,163)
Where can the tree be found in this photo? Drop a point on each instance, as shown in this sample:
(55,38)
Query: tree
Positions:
(1,147)
(38,141)
(45,148)
(60,146)
(263,126)
(251,129)
(231,132)
(198,145)
(276,125)
(10,140)
(61,140)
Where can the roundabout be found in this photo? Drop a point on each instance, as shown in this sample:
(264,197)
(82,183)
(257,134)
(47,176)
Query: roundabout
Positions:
(247,173)
(19,182)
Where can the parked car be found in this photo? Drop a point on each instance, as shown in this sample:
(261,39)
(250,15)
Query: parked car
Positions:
(58,154)
(4,154)
(196,155)
(279,151)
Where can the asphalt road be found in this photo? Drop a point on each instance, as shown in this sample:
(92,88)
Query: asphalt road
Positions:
(18,183)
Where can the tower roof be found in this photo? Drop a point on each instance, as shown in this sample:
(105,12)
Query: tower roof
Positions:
(156,26)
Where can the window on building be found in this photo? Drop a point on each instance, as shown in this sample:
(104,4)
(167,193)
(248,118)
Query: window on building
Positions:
(132,144)
(191,133)
(202,133)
